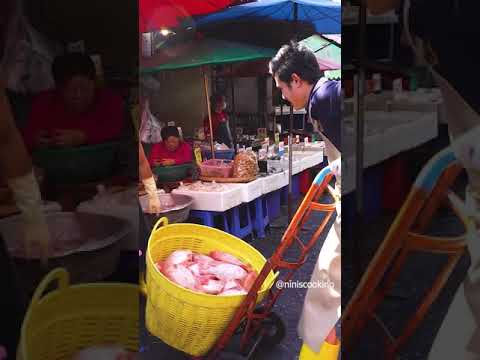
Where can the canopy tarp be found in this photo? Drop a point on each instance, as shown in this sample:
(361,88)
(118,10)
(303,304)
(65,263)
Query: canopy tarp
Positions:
(329,54)
(158,14)
(334,74)
(325,15)
(203,52)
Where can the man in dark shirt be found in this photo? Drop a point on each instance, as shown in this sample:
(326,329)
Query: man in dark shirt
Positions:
(325,110)
(298,75)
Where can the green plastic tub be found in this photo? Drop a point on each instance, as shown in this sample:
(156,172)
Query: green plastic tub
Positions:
(80,164)
(172,173)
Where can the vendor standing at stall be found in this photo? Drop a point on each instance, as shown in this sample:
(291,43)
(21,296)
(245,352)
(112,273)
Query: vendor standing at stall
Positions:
(16,168)
(172,150)
(220,123)
(76,112)
(148,181)
(298,76)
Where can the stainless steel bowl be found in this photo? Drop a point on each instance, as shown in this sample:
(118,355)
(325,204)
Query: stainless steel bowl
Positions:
(94,259)
(179,212)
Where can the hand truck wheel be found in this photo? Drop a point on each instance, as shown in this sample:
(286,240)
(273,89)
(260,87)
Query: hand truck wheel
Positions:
(275,330)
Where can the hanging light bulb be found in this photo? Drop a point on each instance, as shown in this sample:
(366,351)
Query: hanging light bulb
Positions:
(167,32)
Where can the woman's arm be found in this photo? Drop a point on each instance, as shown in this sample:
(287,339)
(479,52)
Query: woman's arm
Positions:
(144,170)
(16,165)
(148,181)
(14,158)
(154,157)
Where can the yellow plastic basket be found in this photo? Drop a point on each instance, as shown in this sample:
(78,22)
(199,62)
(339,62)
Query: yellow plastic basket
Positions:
(186,320)
(70,318)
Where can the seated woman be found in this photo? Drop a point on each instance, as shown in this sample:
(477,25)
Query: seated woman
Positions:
(76,112)
(172,150)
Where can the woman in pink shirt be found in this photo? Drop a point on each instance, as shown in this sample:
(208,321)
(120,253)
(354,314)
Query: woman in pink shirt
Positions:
(76,112)
(172,150)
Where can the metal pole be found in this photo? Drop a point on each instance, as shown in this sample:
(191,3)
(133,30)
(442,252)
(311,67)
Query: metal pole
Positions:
(360,139)
(290,135)
(234,117)
(290,165)
(205,81)
(295,20)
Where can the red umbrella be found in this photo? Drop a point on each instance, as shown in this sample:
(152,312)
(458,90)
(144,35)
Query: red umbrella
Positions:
(158,14)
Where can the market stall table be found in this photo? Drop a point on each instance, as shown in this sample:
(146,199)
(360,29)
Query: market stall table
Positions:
(386,135)
(424,100)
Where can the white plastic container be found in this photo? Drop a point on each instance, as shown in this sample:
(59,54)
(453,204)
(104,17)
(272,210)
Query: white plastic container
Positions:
(250,191)
(214,200)
(297,167)
(274,182)
(311,159)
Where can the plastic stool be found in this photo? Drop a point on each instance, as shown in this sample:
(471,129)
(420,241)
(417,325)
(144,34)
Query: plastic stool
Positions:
(208,218)
(284,195)
(295,186)
(236,226)
(295,191)
(273,203)
(260,215)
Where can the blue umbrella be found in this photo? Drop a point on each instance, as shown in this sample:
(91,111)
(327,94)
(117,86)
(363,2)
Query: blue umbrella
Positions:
(324,15)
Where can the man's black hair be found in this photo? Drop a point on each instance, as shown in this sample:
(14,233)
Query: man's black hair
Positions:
(298,59)
(168,131)
(66,66)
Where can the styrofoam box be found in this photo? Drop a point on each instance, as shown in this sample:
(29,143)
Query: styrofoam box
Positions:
(215,200)
(297,167)
(274,182)
(250,191)
(312,159)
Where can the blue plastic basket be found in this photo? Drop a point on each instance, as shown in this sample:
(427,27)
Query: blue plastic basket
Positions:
(219,154)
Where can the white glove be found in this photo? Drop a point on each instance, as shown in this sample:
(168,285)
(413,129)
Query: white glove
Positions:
(336,167)
(29,202)
(153,200)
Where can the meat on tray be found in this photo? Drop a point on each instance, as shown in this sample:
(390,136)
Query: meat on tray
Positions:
(202,186)
(218,273)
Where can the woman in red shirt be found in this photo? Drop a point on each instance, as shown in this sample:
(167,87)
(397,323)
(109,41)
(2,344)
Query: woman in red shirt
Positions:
(220,125)
(76,112)
(172,150)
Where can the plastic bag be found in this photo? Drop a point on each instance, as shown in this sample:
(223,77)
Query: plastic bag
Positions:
(27,56)
(245,165)
(150,127)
